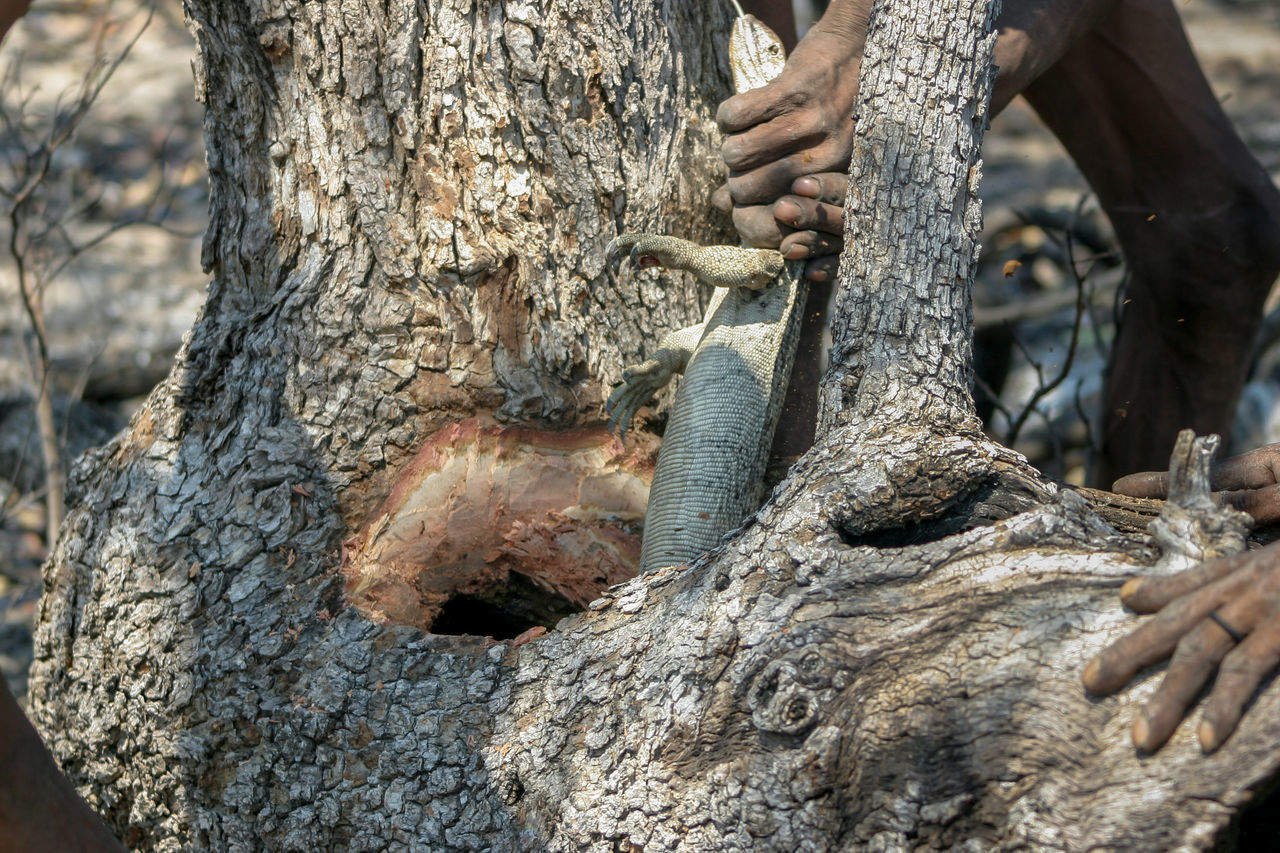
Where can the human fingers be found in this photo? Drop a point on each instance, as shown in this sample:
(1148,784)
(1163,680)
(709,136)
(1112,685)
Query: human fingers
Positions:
(1239,675)
(823,240)
(822,269)
(1253,470)
(806,214)
(771,227)
(785,136)
(1254,613)
(757,226)
(827,187)
(721,200)
(742,111)
(1117,664)
(1149,593)
(767,181)
(1145,484)
(1263,504)
(807,245)
(820,77)
(1194,661)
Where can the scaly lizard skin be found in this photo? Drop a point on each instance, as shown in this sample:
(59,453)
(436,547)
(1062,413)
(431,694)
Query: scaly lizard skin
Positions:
(735,364)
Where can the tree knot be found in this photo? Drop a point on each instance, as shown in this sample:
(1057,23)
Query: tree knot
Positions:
(787,697)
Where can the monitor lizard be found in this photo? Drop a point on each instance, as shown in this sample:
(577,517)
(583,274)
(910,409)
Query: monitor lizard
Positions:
(735,364)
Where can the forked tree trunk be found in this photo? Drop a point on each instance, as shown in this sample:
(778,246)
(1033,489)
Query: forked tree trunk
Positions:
(387,418)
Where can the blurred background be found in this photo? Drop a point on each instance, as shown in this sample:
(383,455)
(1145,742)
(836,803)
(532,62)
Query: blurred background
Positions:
(103,203)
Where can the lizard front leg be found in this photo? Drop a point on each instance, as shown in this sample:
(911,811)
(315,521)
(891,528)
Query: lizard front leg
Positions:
(719,266)
(641,381)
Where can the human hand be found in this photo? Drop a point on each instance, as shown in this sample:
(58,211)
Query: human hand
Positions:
(1222,616)
(808,224)
(1249,482)
(801,123)
(798,125)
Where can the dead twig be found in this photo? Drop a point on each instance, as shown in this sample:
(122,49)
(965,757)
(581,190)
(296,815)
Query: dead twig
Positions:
(33,225)
(1044,388)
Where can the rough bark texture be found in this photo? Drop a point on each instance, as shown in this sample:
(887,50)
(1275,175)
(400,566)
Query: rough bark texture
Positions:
(904,321)
(408,304)
(409,320)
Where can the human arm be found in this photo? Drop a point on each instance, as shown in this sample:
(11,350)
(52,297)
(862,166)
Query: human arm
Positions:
(800,127)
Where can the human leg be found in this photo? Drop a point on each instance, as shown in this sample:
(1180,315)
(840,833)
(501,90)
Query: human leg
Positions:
(1197,217)
(39,808)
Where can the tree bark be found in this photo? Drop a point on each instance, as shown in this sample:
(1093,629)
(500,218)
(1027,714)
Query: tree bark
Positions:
(390,407)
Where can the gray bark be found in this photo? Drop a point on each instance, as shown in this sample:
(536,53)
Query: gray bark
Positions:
(408,330)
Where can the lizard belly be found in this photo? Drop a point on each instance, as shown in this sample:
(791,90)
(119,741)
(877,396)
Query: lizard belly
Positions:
(722,421)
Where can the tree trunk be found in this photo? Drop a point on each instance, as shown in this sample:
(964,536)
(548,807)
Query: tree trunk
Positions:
(387,420)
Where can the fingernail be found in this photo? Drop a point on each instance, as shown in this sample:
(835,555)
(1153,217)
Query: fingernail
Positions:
(796,252)
(816,275)
(806,186)
(1130,587)
(1207,736)
(1141,733)
(786,211)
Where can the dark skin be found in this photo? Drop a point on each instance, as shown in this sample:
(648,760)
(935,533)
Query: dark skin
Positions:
(790,193)
(39,807)
(1196,215)
(10,12)
(1243,590)
(1198,220)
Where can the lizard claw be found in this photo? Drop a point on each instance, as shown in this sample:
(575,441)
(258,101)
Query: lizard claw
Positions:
(650,250)
(640,383)
(618,245)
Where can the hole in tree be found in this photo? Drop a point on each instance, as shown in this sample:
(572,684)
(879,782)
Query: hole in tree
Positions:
(466,614)
(912,533)
(503,611)
(964,515)
(504,528)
